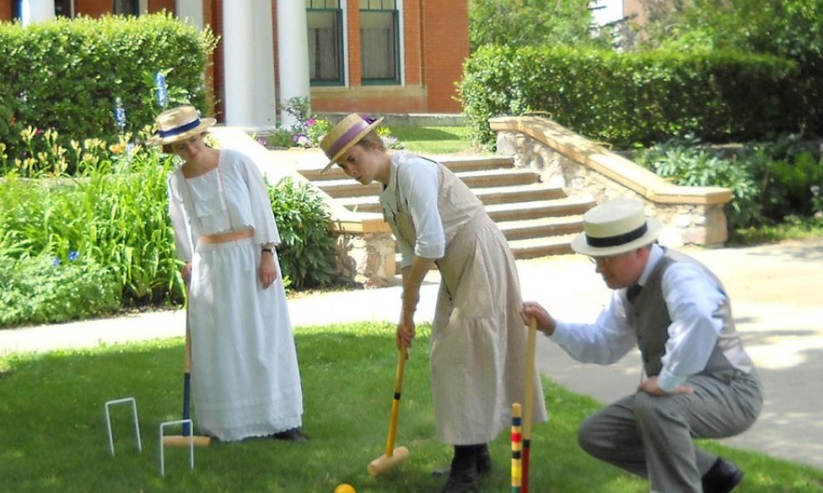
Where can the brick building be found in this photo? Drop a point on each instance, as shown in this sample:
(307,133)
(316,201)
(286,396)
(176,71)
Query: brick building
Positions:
(376,56)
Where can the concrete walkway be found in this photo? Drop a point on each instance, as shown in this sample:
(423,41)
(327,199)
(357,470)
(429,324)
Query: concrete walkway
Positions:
(777,299)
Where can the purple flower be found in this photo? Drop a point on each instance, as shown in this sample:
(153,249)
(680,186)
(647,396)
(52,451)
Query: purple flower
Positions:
(73,255)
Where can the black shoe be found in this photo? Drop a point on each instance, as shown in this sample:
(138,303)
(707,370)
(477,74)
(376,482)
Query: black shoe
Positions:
(291,435)
(722,477)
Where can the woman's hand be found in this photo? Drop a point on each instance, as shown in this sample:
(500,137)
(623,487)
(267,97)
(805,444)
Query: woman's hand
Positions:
(268,269)
(405,333)
(185,273)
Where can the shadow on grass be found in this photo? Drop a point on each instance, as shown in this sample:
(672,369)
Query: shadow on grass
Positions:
(53,435)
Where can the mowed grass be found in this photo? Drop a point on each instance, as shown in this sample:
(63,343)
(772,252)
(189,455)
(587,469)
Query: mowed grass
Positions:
(53,436)
(436,140)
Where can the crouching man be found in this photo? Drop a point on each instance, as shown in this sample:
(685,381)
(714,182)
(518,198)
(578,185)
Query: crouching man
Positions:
(699,382)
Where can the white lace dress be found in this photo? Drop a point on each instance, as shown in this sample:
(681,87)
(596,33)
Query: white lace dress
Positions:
(245,377)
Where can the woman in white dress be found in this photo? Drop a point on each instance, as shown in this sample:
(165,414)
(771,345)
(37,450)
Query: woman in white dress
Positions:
(245,377)
(478,344)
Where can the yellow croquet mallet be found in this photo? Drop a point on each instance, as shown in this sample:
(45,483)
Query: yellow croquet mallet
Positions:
(392,456)
(528,408)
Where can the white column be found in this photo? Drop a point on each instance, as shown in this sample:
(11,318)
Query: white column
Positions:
(248,64)
(32,11)
(293,51)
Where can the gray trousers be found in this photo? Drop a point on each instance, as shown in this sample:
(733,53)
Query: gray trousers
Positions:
(653,436)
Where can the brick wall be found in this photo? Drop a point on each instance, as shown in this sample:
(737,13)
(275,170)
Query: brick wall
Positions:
(92,8)
(445,48)
(5,10)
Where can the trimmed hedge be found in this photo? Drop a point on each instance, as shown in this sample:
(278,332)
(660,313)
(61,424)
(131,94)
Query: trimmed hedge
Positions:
(66,74)
(628,99)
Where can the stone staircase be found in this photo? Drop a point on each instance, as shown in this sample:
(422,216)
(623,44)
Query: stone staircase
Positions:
(537,219)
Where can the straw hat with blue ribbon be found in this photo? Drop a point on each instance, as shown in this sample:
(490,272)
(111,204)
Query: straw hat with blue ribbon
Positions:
(178,124)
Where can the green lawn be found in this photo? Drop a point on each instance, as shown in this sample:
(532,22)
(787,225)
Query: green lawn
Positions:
(435,140)
(53,436)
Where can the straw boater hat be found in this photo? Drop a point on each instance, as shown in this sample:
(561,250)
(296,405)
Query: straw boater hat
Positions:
(348,132)
(179,124)
(614,228)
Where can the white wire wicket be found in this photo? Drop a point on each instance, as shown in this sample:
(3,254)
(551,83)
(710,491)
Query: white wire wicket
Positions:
(162,446)
(125,400)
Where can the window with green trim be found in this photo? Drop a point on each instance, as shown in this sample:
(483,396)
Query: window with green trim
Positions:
(324,19)
(379,42)
(126,7)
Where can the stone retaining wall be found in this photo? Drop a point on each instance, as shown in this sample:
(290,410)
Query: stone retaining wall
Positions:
(690,215)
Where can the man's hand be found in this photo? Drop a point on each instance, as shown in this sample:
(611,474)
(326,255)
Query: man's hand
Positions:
(650,386)
(533,310)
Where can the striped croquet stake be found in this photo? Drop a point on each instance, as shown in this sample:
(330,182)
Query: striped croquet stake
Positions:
(529,406)
(517,447)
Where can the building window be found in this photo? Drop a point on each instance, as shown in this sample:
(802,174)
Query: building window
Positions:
(379,41)
(324,19)
(126,7)
(63,8)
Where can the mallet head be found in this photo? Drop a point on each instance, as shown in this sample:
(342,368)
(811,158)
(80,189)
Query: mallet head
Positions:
(386,462)
(183,441)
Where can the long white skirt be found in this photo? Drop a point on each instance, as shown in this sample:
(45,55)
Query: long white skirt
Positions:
(245,378)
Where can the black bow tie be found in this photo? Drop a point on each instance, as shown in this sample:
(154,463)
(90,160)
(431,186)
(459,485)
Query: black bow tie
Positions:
(632,292)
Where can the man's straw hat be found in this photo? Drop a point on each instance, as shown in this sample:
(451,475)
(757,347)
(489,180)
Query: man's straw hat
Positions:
(614,228)
(179,124)
(348,132)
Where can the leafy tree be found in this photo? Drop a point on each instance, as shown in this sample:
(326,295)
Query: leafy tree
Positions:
(531,22)
(790,29)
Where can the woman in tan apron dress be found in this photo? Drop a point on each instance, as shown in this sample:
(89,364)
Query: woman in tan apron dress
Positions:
(478,342)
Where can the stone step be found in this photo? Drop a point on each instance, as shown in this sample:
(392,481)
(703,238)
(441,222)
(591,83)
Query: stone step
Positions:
(489,196)
(541,247)
(569,206)
(537,219)
(347,187)
(541,227)
(455,163)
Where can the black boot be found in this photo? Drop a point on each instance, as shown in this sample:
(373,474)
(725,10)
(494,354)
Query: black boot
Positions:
(463,472)
(483,461)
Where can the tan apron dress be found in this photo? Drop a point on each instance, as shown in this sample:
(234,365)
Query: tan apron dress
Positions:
(478,342)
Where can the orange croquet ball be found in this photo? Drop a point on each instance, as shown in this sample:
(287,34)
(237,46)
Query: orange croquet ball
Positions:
(344,488)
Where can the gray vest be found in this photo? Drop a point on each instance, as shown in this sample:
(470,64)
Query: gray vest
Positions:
(649,315)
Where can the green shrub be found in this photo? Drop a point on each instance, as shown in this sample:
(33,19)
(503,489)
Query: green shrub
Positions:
(44,289)
(65,76)
(689,164)
(114,211)
(632,98)
(790,173)
(307,247)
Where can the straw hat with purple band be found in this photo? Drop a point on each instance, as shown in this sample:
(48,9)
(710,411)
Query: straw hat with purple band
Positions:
(344,135)
(614,228)
(178,124)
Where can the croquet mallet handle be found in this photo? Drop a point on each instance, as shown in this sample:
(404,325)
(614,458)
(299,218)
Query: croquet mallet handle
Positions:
(528,408)
(402,356)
